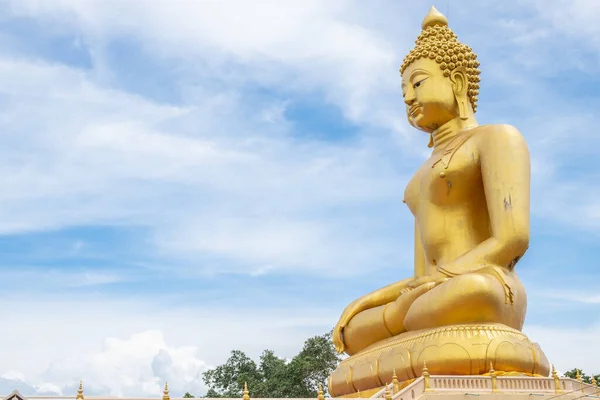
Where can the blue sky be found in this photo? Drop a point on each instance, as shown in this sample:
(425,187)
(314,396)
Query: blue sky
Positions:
(180,179)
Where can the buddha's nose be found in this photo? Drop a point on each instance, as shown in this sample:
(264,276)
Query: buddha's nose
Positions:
(409,99)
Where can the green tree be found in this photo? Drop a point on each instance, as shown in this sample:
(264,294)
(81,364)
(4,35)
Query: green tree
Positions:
(188,395)
(313,365)
(228,380)
(585,378)
(274,376)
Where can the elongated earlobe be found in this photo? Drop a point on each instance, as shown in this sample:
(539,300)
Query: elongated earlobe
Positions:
(460,85)
(462,109)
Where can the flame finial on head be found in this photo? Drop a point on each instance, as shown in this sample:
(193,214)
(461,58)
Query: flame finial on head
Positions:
(434,17)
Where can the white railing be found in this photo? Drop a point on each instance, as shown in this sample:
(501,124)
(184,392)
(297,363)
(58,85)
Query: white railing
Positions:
(485,384)
(412,391)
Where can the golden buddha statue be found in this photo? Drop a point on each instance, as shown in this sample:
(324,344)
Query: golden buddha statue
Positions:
(464,308)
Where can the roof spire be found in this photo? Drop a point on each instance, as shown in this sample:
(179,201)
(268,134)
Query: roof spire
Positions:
(166,392)
(246,395)
(80,392)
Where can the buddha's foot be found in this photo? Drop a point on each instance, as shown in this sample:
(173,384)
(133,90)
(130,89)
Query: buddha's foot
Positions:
(449,350)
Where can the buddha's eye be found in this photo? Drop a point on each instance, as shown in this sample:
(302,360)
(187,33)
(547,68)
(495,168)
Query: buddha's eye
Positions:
(416,85)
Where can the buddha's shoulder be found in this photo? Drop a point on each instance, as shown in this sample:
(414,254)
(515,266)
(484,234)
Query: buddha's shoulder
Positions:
(498,135)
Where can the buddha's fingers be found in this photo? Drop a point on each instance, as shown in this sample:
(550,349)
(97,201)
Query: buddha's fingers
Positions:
(337,339)
(437,277)
(394,313)
(409,297)
(405,290)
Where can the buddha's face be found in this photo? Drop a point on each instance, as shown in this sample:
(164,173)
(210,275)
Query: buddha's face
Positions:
(428,94)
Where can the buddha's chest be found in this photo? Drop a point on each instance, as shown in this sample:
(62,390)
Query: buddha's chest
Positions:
(446,179)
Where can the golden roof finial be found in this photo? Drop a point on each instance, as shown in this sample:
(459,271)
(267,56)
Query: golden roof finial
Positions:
(320,395)
(493,376)
(434,17)
(80,391)
(578,377)
(395,382)
(425,374)
(246,395)
(557,388)
(166,392)
(387,395)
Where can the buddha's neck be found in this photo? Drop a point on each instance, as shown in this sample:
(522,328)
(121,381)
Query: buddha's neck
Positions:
(445,133)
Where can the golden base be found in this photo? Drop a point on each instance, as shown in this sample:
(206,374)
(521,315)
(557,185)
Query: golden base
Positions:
(450,350)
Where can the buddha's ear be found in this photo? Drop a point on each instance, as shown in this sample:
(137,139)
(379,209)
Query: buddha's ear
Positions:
(460,84)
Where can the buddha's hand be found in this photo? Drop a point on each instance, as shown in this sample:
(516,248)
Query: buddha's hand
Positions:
(437,278)
(349,312)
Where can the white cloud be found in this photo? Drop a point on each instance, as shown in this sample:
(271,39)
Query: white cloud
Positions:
(124,366)
(302,47)
(13,375)
(574,19)
(95,156)
(7,385)
(15,380)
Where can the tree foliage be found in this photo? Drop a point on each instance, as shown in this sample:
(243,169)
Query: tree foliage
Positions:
(273,376)
(585,378)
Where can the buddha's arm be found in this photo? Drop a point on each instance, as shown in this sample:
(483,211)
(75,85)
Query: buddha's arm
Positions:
(420,264)
(505,171)
(379,297)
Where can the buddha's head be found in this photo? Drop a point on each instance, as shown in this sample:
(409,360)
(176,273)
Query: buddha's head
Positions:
(440,78)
